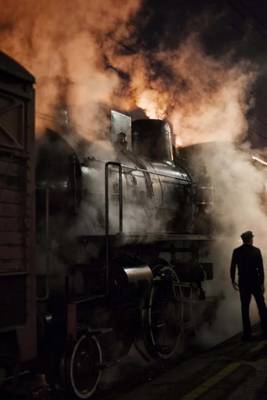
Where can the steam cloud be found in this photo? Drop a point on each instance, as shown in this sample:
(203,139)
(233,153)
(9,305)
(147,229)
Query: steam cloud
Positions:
(237,207)
(63,44)
(204,98)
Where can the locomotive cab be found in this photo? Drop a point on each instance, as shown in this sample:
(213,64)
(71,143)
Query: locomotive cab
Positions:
(152,139)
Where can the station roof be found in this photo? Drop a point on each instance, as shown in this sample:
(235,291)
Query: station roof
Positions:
(11,67)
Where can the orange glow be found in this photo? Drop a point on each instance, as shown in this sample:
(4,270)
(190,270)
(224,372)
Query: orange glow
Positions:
(151,104)
(63,44)
(207,99)
(178,141)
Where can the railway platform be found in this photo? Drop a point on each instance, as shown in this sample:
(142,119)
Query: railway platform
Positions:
(233,370)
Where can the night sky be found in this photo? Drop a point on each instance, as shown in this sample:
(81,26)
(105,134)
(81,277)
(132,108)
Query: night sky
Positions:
(238,27)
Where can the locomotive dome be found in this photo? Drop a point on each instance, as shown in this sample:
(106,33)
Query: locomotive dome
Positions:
(10,67)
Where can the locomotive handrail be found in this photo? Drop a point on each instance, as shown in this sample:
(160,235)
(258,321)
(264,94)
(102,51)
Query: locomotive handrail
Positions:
(107,235)
(107,165)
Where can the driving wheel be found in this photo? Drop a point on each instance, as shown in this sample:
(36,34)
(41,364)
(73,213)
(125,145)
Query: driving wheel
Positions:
(164,315)
(82,367)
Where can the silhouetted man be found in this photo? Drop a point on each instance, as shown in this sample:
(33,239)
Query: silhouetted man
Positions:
(248,260)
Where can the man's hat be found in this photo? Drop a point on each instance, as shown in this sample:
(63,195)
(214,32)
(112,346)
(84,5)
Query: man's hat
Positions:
(247,235)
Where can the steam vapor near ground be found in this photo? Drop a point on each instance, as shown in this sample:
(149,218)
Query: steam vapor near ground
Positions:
(237,207)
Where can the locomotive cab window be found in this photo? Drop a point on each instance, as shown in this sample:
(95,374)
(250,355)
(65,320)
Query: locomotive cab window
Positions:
(152,140)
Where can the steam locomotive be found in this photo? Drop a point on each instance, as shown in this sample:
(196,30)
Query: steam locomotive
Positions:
(99,245)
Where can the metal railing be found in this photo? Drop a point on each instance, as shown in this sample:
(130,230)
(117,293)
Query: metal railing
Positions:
(107,224)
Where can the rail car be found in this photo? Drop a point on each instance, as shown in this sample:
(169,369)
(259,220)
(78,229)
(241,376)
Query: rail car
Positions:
(113,258)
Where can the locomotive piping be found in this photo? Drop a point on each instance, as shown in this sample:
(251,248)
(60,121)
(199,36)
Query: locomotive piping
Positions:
(156,173)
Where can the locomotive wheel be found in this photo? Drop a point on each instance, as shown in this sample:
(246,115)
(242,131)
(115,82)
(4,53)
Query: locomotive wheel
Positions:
(81,367)
(164,316)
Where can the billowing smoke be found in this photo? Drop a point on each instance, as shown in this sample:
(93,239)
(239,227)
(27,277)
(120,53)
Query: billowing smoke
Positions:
(74,48)
(216,99)
(63,44)
(206,99)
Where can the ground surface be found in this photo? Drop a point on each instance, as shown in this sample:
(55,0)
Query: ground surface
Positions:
(232,370)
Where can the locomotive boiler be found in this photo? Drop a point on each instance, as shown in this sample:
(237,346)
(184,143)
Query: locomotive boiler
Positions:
(116,258)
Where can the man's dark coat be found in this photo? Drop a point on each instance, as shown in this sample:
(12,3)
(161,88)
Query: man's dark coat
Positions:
(249,263)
